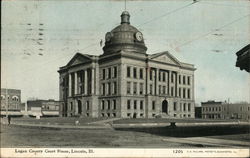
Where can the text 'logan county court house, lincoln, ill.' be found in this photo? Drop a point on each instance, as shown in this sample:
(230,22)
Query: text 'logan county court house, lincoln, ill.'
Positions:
(125,81)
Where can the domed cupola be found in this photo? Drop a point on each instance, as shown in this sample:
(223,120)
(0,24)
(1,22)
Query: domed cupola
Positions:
(124,37)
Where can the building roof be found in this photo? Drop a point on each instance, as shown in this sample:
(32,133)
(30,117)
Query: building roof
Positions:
(243,58)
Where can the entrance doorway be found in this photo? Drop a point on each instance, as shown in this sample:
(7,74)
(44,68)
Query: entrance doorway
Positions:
(164,106)
(134,115)
(79,107)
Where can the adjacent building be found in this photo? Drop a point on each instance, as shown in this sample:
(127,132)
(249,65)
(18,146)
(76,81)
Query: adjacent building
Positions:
(43,107)
(243,58)
(10,102)
(125,81)
(224,110)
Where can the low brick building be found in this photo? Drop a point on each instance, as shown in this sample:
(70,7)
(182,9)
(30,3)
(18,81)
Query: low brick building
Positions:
(224,110)
(125,81)
(11,98)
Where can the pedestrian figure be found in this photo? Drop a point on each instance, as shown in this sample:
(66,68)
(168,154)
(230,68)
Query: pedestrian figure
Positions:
(9,119)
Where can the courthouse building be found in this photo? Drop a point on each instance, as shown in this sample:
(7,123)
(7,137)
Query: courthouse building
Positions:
(125,81)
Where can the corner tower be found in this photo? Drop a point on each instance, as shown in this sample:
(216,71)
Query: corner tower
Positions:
(124,37)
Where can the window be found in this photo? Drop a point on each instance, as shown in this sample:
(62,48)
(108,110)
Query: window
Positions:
(172,91)
(179,92)
(128,71)
(87,114)
(184,80)
(172,77)
(135,104)
(179,79)
(151,89)
(103,115)
(128,104)
(189,115)
(159,75)
(114,88)
(108,114)
(109,88)
(189,107)
(87,105)
(115,72)
(103,104)
(135,72)
(151,74)
(141,104)
(188,80)
(103,89)
(108,101)
(153,105)
(114,114)
(141,115)
(128,87)
(248,108)
(188,93)
(141,73)
(164,89)
(219,108)
(114,104)
(174,115)
(159,89)
(128,114)
(163,76)
(135,88)
(109,73)
(175,106)
(103,74)
(180,106)
(71,105)
(184,107)
(141,88)
(184,93)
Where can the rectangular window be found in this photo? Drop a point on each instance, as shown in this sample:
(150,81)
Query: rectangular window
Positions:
(135,72)
(184,107)
(184,93)
(172,77)
(103,104)
(141,104)
(141,73)
(128,87)
(115,72)
(108,101)
(159,89)
(188,93)
(188,80)
(184,79)
(71,106)
(189,107)
(151,89)
(135,104)
(172,91)
(163,76)
(175,106)
(179,92)
(164,89)
(141,88)
(179,79)
(151,74)
(114,104)
(109,88)
(87,105)
(114,88)
(128,71)
(159,75)
(135,88)
(103,74)
(109,73)
(153,105)
(128,104)
(103,89)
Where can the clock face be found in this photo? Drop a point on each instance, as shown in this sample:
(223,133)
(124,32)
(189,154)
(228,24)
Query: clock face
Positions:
(138,36)
(108,36)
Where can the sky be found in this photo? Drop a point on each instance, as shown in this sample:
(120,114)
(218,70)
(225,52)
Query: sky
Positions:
(38,37)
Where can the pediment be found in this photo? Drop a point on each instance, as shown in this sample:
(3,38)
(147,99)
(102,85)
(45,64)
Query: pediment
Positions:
(79,59)
(165,57)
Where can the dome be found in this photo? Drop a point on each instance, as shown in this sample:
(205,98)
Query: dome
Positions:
(124,37)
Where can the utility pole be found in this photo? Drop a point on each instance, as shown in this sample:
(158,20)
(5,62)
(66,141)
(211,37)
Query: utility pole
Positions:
(7,103)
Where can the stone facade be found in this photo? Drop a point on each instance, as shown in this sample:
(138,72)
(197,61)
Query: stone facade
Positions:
(127,82)
(223,110)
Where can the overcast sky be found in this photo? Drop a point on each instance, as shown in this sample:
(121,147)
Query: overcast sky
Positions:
(38,37)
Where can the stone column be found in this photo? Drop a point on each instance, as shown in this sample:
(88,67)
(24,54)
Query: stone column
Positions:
(76,83)
(70,85)
(92,81)
(85,82)
(169,82)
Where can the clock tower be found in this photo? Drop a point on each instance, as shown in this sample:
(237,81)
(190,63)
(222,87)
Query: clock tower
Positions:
(124,37)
